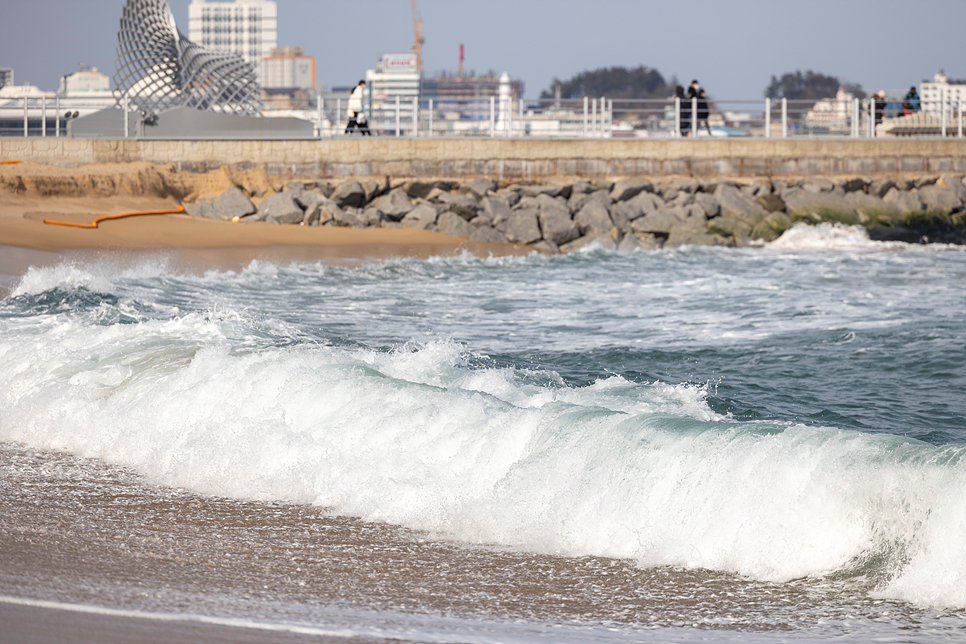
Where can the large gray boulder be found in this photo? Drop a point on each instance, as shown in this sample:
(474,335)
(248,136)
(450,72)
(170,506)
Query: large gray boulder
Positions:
(955,182)
(708,203)
(350,193)
(556,223)
(630,188)
(904,200)
(770,228)
(693,233)
(228,205)
(735,204)
(452,224)
(817,184)
(660,221)
(394,205)
(550,191)
(638,206)
(939,198)
(580,199)
(281,208)
(496,210)
(462,204)
(594,218)
(487,234)
(819,206)
(422,216)
(880,187)
(872,209)
(349,217)
(478,187)
(521,226)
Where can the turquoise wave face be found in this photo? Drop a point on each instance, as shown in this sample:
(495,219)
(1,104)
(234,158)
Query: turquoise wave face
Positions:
(775,413)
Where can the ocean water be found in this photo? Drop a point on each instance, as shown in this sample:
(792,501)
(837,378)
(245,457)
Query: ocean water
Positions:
(763,444)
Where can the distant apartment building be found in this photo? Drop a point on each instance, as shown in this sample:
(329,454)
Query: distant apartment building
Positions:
(6,76)
(288,67)
(933,94)
(85,81)
(248,28)
(395,75)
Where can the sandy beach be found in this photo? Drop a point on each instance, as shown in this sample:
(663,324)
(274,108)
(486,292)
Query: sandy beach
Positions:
(31,193)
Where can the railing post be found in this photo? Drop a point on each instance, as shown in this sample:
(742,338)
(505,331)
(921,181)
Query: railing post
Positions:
(397,116)
(960,133)
(25,130)
(57,117)
(492,116)
(586,105)
(430,118)
(784,117)
(677,116)
(508,117)
(872,117)
(338,114)
(523,129)
(593,117)
(603,111)
(855,116)
(767,118)
(415,116)
(124,107)
(694,116)
(319,102)
(943,112)
(43,116)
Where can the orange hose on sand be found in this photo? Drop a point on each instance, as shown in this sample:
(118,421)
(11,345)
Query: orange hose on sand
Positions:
(2,162)
(94,223)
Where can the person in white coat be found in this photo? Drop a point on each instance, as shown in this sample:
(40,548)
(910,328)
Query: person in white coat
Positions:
(355,108)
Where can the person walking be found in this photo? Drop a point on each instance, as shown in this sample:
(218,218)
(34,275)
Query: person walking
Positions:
(693,92)
(880,105)
(684,115)
(703,112)
(355,107)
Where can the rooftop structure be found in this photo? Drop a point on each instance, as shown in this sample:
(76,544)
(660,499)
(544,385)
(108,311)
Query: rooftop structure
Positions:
(87,80)
(934,95)
(6,76)
(248,28)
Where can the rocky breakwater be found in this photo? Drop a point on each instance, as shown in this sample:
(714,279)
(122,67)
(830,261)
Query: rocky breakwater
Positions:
(634,213)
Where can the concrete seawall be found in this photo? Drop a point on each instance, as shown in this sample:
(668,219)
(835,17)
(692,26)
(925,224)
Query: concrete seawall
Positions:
(514,159)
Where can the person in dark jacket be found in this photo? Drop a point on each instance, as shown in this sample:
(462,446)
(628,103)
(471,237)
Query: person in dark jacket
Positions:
(685,118)
(910,102)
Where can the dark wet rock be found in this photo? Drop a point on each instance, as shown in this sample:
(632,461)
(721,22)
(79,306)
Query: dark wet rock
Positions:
(422,216)
(820,206)
(350,193)
(487,234)
(771,227)
(452,224)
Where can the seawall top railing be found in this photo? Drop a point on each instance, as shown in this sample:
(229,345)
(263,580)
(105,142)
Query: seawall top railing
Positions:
(588,117)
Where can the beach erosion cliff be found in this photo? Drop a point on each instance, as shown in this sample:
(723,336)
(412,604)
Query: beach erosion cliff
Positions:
(556,216)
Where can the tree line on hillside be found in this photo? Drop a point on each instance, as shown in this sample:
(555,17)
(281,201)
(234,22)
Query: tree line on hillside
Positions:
(647,82)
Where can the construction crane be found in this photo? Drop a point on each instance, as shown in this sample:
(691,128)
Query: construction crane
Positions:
(418,46)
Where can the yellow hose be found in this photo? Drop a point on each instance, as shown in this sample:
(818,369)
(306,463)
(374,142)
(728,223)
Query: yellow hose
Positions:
(13,161)
(94,223)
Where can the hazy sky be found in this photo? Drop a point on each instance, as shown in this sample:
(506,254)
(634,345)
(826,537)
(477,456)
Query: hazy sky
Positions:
(732,46)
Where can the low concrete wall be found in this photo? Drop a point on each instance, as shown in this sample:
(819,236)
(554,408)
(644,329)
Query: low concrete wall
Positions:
(514,159)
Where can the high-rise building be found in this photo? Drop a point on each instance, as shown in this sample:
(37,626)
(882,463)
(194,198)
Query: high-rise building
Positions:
(6,76)
(288,67)
(941,91)
(248,28)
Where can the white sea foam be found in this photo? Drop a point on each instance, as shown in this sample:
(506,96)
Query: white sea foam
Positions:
(415,437)
(828,236)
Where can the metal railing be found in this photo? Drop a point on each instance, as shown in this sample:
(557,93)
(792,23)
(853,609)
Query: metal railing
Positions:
(588,117)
